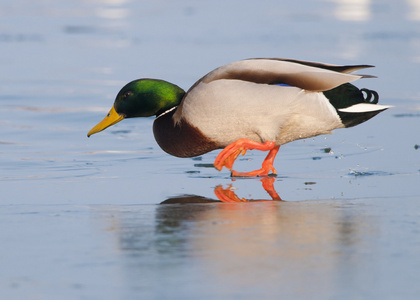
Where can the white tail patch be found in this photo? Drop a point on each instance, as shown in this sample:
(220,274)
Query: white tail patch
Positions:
(363,107)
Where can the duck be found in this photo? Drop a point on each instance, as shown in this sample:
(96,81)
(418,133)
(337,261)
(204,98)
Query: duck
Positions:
(251,104)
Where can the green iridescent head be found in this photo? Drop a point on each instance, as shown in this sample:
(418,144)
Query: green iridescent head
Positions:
(147,97)
(141,98)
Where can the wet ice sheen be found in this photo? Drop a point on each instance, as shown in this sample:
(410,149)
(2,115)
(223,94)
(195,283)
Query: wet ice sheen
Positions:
(312,249)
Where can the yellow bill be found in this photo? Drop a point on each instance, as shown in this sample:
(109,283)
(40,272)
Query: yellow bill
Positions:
(111,118)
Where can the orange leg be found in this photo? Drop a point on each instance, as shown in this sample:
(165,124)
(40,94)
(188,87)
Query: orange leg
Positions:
(227,157)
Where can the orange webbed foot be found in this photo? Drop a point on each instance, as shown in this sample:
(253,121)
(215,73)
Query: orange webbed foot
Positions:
(256,173)
(227,157)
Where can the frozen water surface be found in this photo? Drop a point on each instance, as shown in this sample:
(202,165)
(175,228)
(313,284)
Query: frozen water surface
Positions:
(102,218)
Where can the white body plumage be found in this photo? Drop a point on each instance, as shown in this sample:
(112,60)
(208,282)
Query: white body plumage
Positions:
(235,101)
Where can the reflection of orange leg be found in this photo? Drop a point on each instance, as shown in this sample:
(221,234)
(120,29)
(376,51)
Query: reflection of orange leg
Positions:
(268,186)
(227,195)
(227,157)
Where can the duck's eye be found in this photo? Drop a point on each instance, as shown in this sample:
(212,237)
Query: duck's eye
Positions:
(127,94)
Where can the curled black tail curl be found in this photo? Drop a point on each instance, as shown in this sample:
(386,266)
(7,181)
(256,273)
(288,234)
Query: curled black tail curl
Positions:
(368,96)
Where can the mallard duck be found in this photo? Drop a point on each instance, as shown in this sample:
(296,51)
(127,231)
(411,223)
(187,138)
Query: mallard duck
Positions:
(253,104)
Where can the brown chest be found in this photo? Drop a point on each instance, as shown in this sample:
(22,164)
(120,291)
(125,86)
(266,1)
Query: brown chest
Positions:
(181,140)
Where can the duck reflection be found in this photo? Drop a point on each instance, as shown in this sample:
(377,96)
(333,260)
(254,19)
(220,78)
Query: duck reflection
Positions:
(266,247)
(227,195)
